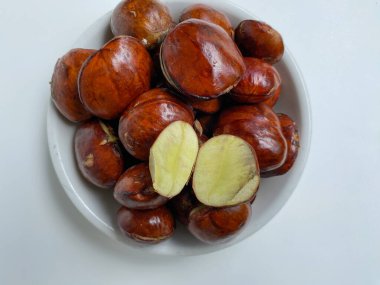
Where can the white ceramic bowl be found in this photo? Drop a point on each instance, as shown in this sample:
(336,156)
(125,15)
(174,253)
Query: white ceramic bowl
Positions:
(98,206)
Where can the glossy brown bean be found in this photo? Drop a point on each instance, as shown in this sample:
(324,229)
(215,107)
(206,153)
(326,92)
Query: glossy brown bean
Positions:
(259,83)
(147,20)
(206,106)
(183,204)
(154,95)
(290,131)
(114,76)
(208,14)
(200,60)
(134,189)
(148,226)
(97,153)
(216,225)
(64,85)
(141,124)
(261,128)
(271,101)
(258,39)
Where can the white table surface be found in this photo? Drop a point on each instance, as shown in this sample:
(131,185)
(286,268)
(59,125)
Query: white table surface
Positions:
(327,233)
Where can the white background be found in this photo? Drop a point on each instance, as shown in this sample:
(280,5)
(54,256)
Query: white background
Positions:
(327,233)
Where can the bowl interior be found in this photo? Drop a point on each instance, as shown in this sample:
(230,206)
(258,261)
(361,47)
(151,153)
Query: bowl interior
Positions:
(98,206)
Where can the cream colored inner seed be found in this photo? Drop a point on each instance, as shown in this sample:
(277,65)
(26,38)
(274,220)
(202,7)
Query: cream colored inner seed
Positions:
(172,158)
(225,172)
